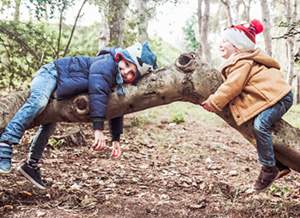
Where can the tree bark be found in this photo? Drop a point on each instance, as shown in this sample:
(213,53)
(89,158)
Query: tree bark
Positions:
(116,20)
(290,40)
(143,19)
(73,137)
(204,32)
(297,91)
(60,29)
(188,79)
(267,26)
(200,17)
(103,36)
(247,7)
(228,9)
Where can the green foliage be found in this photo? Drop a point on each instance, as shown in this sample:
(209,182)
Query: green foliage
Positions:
(194,112)
(293,29)
(84,41)
(292,116)
(145,118)
(177,117)
(56,143)
(139,121)
(24,47)
(41,5)
(292,32)
(165,52)
(183,112)
(191,42)
(275,189)
(130,32)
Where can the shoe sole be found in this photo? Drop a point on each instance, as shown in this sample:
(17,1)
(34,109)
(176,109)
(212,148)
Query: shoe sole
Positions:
(30,179)
(283,173)
(4,171)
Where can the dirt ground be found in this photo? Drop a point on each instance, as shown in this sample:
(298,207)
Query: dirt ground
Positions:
(188,169)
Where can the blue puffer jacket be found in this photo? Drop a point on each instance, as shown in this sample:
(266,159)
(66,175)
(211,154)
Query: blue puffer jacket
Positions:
(95,75)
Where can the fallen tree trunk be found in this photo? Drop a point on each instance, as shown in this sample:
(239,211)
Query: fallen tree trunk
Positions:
(187,79)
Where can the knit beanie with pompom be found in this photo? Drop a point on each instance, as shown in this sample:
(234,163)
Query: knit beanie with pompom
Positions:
(242,36)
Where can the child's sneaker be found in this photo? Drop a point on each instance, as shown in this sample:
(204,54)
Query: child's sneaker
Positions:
(33,174)
(266,177)
(5,157)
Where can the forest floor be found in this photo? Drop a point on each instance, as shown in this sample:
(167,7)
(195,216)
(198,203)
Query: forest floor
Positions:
(188,169)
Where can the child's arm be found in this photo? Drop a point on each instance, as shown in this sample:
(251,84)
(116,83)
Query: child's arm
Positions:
(99,140)
(237,78)
(116,129)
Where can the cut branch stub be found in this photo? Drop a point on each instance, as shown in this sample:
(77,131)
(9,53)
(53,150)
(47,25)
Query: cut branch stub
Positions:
(186,62)
(81,105)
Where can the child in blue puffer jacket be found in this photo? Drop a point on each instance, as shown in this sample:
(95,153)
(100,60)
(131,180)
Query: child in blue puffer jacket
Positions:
(71,76)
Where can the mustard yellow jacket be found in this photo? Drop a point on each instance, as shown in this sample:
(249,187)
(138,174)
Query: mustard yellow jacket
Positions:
(252,83)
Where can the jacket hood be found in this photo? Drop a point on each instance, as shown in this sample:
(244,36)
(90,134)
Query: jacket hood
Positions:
(107,50)
(257,55)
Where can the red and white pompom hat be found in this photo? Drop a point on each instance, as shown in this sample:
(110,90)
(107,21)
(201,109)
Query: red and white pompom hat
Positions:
(242,36)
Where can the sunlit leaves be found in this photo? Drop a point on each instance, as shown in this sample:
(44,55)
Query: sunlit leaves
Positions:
(24,46)
(41,6)
(189,34)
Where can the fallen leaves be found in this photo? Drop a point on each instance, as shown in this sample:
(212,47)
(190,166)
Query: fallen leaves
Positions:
(26,193)
(176,170)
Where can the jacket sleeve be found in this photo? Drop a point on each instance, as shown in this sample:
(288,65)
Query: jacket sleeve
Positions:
(101,80)
(232,87)
(116,128)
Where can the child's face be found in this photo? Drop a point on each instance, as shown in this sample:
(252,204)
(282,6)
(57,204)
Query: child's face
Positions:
(227,48)
(128,70)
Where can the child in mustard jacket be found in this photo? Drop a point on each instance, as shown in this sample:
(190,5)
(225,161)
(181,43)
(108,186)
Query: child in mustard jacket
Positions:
(255,88)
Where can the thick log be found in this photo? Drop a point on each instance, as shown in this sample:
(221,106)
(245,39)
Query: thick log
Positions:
(187,79)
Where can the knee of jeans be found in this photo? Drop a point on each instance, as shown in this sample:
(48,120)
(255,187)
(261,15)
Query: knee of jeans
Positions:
(288,100)
(39,101)
(259,127)
(289,105)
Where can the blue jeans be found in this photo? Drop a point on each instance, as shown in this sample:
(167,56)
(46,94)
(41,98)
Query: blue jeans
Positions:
(42,86)
(262,129)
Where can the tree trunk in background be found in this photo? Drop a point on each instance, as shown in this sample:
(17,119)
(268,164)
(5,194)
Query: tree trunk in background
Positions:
(116,20)
(199,14)
(60,28)
(290,40)
(187,79)
(267,26)
(103,36)
(246,14)
(17,10)
(229,16)
(297,91)
(143,19)
(204,33)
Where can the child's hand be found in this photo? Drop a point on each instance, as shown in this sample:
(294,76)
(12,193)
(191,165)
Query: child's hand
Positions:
(99,140)
(206,106)
(116,151)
